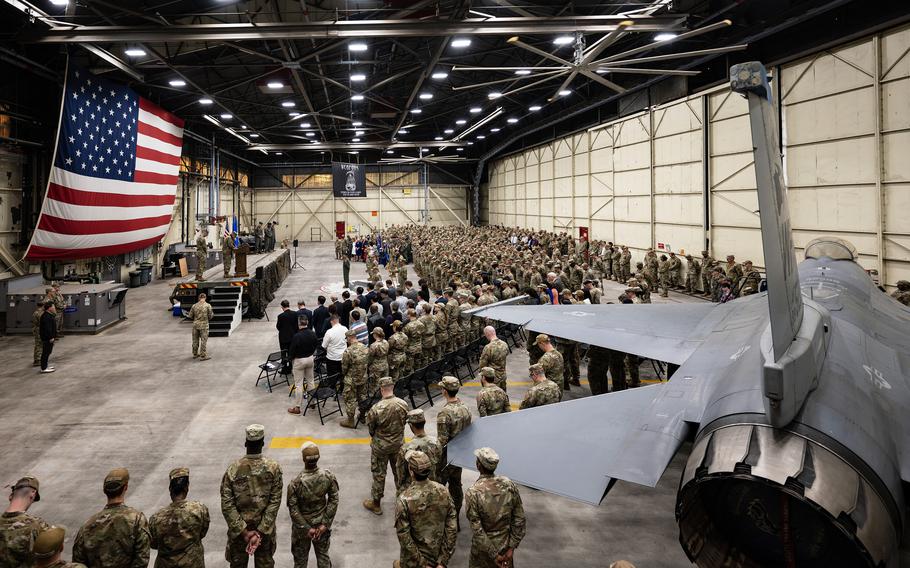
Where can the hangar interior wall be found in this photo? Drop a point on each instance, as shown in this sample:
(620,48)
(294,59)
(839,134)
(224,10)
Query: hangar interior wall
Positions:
(681,174)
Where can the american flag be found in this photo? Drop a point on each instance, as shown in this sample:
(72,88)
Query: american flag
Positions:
(112,187)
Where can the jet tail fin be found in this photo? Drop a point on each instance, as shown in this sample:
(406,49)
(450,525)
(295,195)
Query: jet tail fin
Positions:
(795,344)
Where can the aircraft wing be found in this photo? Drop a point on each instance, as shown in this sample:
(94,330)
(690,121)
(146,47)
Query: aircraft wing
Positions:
(665,332)
(577,448)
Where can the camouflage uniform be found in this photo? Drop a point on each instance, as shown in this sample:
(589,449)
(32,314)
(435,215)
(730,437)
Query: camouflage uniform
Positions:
(385,422)
(426,444)
(492,400)
(673,266)
(451,420)
(201,313)
(707,264)
(398,345)
(663,275)
(177,532)
(18,532)
(693,271)
(453,317)
(346,271)
(354,366)
(625,264)
(115,537)
(36,335)
(542,393)
(60,304)
(442,334)
(494,355)
(497,519)
(571,362)
(616,263)
(598,365)
(552,364)
(415,331)
(378,365)
(428,342)
(227,254)
(312,501)
(426,523)
(250,498)
(202,252)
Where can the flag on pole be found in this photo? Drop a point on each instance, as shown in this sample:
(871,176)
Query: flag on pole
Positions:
(113,183)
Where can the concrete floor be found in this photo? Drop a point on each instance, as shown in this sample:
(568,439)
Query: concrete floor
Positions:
(134,397)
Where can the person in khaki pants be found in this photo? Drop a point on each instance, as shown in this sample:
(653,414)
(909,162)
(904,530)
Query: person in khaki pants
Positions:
(201,313)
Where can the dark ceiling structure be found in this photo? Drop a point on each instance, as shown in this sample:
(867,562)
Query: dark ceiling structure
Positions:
(451,81)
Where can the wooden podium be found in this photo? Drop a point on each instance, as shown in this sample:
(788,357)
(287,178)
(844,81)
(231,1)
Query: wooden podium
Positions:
(240,261)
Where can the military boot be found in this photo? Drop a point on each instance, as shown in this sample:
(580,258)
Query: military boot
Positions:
(372,506)
(347,423)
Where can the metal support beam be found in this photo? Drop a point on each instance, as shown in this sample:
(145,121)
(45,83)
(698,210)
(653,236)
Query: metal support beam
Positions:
(444,204)
(103,54)
(395,203)
(353,146)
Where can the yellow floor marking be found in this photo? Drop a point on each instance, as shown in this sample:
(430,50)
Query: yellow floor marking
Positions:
(294,442)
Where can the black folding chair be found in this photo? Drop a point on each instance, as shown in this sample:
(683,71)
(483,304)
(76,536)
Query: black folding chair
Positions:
(432,376)
(325,390)
(457,360)
(271,370)
(365,405)
(416,385)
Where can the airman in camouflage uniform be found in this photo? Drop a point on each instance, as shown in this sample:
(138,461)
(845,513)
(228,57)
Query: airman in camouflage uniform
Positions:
(426,444)
(312,503)
(18,529)
(453,319)
(202,253)
(227,253)
(201,313)
(398,345)
(178,529)
(60,304)
(385,422)
(250,498)
(49,548)
(414,329)
(494,355)
(378,365)
(625,263)
(673,266)
(902,294)
(402,271)
(616,262)
(542,392)
(496,514)
(751,279)
(425,518)
(451,420)
(707,265)
(551,360)
(117,536)
(464,303)
(354,366)
(733,271)
(36,334)
(693,274)
(442,331)
(491,399)
(346,271)
(428,342)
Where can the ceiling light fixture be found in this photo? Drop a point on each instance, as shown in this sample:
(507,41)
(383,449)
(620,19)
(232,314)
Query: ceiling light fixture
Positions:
(310,134)
(226,116)
(416,111)
(475,110)
(358,133)
(448,131)
(459,149)
(402,131)
(357,46)
(304,125)
(294,113)
(666,36)
(134,52)
(275,85)
(439,75)
(523,72)
(480,136)
(534,108)
(438,138)
(205,101)
(356,97)
(288,104)
(470,143)
(460,42)
(357,123)
(254,135)
(59,2)
(563,40)
(355,140)
(565,93)
(512,120)
(177,83)
(494,130)
(358,77)
(461,121)
(493,96)
(426,96)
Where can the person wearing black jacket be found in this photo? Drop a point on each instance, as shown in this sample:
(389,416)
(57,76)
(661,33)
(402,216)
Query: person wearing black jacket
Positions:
(303,312)
(47,329)
(286,325)
(346,308)
(320,317)
(302,355)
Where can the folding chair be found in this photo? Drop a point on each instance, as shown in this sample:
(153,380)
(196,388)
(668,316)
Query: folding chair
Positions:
(434,373)
(325,390)
(271,370)
(365,405)
(459,359)
(416,384)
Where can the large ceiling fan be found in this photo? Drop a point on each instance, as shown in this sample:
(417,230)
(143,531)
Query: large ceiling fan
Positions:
(585,61)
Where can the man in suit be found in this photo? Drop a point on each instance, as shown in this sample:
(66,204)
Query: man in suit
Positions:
(346,307)
(47,331)
(303,312)
(286,325)
(320,317)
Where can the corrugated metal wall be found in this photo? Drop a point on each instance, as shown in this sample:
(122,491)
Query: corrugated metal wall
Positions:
(643,181)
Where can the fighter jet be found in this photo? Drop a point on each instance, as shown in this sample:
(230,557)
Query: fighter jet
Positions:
(796,400)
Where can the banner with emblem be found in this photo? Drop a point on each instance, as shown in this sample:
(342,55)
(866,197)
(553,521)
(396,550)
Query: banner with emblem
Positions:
(349,180)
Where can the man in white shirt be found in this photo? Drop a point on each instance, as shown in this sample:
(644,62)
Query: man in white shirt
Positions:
(334,343)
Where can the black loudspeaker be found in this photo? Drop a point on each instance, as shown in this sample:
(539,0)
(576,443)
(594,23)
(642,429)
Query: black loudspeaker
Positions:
(295,243)
(260,273)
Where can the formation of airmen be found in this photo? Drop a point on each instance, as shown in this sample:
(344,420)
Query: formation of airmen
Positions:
(426,512)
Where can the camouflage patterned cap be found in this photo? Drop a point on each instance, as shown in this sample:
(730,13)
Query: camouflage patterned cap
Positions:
(418,461)
(622,564)
(48,543)
(416,416)
(542,338)
(450,384)
(447,291)
(536,369)
(350,333)
(28,481)
(386,382)
(116,479)
(309,451)
(255,432)
(487,457)
(178,472)
(488,372)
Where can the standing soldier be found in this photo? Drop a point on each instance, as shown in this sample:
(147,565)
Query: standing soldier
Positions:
(259,233)
(491,399)
(551,360)
(428,342)
(178,529)
(673,265)
(250,498)
(18,529)
(442,331)
(346,270)
(542,392)
(707,265)
(663,276)
(494,355)
(354,366)
(60,306)
(402,271)
(616,262)
(312,503)
(227,253)
(426,520)
(733,271)
(117,536)
(453,315)
(398,345)
(598,365)
(451,420)
(414,329)
(36,334)
(496,514)
(421,442)
(202,253)
(378,363)
(625,265)
(201,313)
(693,274)
(385,421)
(751,280)
(49,549)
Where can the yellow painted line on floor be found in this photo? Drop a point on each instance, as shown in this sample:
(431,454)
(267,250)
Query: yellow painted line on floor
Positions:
(294,442)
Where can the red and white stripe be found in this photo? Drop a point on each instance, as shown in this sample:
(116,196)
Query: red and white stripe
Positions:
(87,217)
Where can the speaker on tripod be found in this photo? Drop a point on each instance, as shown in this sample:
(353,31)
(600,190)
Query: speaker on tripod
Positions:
(296,264)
